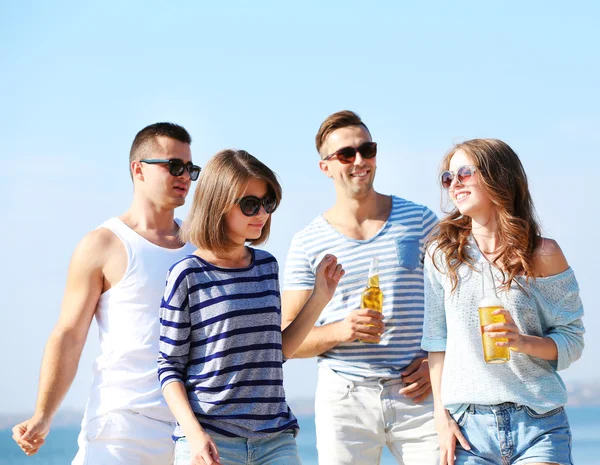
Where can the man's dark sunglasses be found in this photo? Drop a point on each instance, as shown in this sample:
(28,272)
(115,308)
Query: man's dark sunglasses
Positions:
(250,205)
(176,166)
(347,155)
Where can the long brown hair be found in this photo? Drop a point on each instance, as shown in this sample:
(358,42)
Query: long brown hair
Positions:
(222,181)
(504,181)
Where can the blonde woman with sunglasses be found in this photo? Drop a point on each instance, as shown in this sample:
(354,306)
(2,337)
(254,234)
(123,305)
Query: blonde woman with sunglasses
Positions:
(511,412)
(221,343)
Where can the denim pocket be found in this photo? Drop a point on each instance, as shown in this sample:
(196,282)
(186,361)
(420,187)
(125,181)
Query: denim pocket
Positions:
(533,414)
(408,252)
(336,394)
(462,418)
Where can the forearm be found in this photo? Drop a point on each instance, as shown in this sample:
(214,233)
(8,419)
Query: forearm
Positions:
(436,366)
(540,347)
(320,339)
(176,397)
(59,367)
(298,331)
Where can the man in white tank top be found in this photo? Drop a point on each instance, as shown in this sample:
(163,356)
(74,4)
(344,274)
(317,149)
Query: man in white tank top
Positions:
(117,274)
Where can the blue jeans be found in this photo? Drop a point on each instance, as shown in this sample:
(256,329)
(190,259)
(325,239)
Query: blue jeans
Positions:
(280,449)
(510,434)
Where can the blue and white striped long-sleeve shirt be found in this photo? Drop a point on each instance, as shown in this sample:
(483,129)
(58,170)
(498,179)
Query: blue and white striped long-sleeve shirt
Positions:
(220,335)
(400,246)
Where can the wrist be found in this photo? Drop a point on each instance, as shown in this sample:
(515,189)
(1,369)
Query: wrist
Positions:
(319,298)
(526,344)
(336,331)
(195,434)
(43,415)
(439,410)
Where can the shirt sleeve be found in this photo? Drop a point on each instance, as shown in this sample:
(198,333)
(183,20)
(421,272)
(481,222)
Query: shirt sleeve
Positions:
(563,311)
(175,327)
(298,274)
(430,221)
(434,323)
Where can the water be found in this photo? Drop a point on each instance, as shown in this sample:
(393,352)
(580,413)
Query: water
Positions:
(61,444)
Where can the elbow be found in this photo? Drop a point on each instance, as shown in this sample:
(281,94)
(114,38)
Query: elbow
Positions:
(577,350)
(569,350)
(68,338)
(288,353)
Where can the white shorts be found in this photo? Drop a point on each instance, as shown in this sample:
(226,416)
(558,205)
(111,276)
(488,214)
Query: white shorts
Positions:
(355,420)
(124,437)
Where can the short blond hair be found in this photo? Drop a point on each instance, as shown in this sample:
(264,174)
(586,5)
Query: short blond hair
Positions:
(221,183)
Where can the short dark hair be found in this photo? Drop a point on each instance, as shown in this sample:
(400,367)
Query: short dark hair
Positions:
(341,119)
(149,134)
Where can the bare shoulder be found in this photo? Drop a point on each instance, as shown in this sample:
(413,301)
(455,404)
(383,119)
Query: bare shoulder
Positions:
(548,258)
(96,247)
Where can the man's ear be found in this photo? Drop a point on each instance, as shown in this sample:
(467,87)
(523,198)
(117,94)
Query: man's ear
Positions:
(324,167)
(136,170)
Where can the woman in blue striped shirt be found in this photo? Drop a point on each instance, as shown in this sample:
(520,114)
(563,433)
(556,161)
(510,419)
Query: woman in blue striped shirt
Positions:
(221,343)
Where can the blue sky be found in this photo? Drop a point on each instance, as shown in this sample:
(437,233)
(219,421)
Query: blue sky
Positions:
(77,81)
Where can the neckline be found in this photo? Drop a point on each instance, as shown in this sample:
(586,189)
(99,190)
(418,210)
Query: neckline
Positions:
(179,249)
(362,241)
(228,270)
(483,258)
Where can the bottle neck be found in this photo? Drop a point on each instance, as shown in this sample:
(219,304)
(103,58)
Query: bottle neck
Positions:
(373,281)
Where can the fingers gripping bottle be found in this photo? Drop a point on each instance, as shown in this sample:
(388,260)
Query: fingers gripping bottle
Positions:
(372,296)
(489,304)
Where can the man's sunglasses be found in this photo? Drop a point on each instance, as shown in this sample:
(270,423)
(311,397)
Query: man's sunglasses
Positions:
(462,174)
(250,205)
(347,155)
(176,166)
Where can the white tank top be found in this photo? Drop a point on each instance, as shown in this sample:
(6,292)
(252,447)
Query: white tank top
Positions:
(125,372)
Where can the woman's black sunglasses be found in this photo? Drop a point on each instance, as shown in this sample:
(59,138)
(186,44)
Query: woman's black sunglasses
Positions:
(347,155)
(176,166)
(250,205)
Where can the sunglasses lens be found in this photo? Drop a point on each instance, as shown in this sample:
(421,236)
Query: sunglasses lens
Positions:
(346,155)
(194,172)
(367,150)
(269,204)
(249,206)
(464,174)
(446,179)
(176,167)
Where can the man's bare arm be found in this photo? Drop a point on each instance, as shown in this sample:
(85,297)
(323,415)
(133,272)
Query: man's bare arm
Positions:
(63,350)
(323,338)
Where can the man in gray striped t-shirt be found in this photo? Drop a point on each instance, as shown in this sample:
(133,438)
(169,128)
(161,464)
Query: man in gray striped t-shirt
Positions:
(368,394)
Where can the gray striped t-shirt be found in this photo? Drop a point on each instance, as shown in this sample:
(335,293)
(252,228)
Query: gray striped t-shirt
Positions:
(220,335)
(400,247)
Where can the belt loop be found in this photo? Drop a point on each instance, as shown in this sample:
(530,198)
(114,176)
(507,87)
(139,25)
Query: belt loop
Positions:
(471,408)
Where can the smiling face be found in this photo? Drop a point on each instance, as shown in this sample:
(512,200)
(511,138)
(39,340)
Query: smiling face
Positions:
(154,182)
(355,179)
(241,228)
(469,198)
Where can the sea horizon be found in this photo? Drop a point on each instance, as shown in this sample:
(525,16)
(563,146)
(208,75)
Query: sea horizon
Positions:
(61,443)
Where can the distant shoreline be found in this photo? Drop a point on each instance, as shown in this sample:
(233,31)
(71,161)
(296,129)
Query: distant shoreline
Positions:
(581,394)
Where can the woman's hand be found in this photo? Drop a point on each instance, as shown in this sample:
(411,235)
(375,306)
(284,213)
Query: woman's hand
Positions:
(509,330)
(448,433)
(328,275)
(203,450)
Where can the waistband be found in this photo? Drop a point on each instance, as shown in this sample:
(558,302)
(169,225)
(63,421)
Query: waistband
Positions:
(326,373)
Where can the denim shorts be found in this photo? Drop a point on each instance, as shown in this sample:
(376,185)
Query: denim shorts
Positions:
(510,434)
(279,449)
